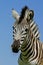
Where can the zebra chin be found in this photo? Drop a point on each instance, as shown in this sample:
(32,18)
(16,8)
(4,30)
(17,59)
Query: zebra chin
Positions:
(15,46)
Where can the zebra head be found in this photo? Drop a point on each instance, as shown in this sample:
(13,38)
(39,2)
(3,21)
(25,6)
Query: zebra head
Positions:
(20,27)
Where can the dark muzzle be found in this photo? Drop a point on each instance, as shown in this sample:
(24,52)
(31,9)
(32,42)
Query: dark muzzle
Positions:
(15,46)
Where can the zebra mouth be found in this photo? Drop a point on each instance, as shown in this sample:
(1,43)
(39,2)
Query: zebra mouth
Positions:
(15,46)
(15,50)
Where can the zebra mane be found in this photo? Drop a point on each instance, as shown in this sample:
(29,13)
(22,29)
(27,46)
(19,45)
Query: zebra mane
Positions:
(22,14)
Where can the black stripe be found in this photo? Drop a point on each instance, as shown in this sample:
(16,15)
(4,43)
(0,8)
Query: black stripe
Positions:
(26,43)
(28,55)
(37,35)
(28,52)
(32,24)
(33,41)
(34,28)
(21,56)
(36,51)
(23,37)
(36,31)
(26,47)
(22,14)
(21,40)
(24,33)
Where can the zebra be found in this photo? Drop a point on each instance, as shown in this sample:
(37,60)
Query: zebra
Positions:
(26,38)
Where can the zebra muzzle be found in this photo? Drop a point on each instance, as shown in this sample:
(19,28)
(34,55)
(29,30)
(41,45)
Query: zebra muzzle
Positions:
(15,46)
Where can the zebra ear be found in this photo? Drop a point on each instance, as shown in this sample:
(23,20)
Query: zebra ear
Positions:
(31,14)
(15,14)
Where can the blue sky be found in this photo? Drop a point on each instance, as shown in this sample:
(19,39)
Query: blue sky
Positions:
(6,22)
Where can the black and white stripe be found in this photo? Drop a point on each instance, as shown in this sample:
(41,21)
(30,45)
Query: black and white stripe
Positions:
(35,29)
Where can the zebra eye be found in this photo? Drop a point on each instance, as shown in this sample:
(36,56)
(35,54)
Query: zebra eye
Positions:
(26,29)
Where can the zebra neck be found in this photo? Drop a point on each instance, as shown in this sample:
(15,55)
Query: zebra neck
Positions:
(37,48)
(27,50)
